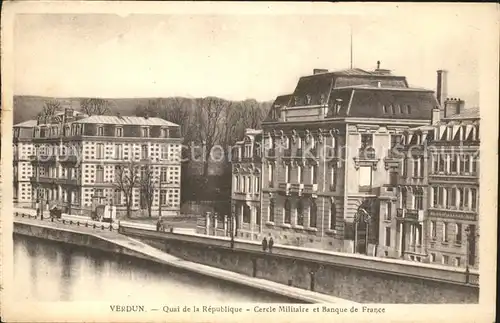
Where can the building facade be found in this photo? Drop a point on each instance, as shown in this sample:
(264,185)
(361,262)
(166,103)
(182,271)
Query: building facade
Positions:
(246,159)
(23,148)
(326,160)
(438,199)
(80,160)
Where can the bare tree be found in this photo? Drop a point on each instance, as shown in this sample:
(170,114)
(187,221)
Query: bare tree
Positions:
(95,106)
(49,109)
(126,179)
(209,115)
(147,186)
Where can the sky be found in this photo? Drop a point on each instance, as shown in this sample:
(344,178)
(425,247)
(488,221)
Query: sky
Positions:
(237,56)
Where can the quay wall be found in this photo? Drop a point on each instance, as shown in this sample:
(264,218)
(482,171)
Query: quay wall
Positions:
(359,279)
(73,237)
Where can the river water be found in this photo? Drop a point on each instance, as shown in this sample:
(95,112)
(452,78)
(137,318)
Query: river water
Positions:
(50,271)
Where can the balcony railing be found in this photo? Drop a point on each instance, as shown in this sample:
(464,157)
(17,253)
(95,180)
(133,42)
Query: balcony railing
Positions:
(270,153)
(367,153)
(284,186)
(410,214)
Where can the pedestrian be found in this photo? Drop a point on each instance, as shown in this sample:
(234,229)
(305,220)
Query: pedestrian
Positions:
(264,244)
(158,225)
(271,243)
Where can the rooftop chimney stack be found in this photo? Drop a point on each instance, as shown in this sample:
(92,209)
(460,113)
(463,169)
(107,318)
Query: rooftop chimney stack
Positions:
(453,106)
(441,90)
(319,70)
(436,115)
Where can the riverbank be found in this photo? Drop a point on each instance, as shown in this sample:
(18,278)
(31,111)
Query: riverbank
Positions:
(112,241)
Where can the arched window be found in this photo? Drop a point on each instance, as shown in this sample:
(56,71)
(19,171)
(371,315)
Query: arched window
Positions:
(313,213)
(287,213)
(404,195)
(300,212)
(333,216)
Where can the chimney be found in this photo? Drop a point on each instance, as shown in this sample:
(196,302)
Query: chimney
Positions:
(435,116)
(452,106)
(441,91)
(319,71)
(381,71)
(460,106)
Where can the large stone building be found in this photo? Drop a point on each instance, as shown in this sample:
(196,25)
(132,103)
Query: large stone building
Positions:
(326,161)
(78,160)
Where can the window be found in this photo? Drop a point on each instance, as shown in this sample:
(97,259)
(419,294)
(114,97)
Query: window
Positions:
(257,184)
(442,163)
(445,259)
(100,151)
(404,197)
(119,151)
(100,131)
(270,175)
(300,176)
(395,140)
(164,152)
(419,199)
(454,163)
(246,214)
(333,178)
(365,178)
(287,173)
(271,211)
(457,262)
(458,233)
(432,257)
(393,110)
(164,175)
(466,160)
(287,212)
(387,236)
(144,152)
(119,131)
(474,165)
(415,168)
(461,197)
(388,211)
(473,198)
(445,232)
(300,212)
(117,197)
(434,195)
(366,140)
(408,108)
(384,107)
(164,133)
(314,176)
(333,216)
(433,229)
(145,132)
(313,213)
(441,195)
(451,197)
(405,167)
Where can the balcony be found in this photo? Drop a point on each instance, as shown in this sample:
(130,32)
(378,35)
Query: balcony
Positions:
(366,157)
(246,196)
(43,180)
(285,187)
(310,188)
(464,213)
(410,214)
(384,192)
(270,153)
(67,181)
(68,159)
(412,181)
(253,159)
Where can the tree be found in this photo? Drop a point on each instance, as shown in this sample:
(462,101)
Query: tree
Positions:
(95,106)
(147,186)
(49,110)
(209,117)
(126,179)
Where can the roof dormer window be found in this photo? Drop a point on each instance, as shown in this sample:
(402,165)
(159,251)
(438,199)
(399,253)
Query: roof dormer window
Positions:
(100,130)
(164,132)
(119,132)
(145,132)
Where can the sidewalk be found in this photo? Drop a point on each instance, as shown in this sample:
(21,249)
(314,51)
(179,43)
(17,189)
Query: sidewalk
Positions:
(162,257)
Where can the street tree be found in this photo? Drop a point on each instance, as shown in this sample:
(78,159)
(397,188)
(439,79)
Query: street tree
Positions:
(126,179)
